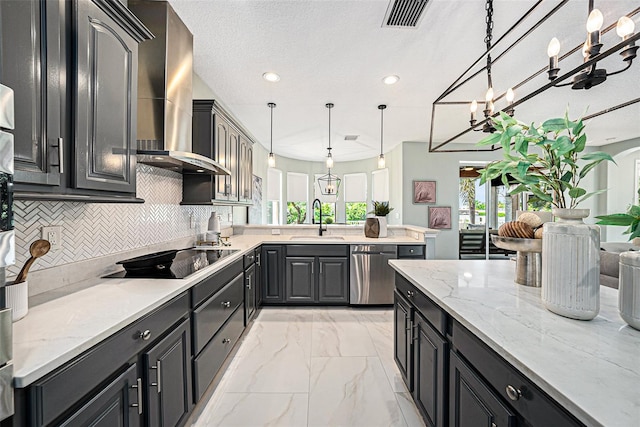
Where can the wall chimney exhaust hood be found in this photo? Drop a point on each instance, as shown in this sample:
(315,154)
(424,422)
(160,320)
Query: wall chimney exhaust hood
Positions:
(165,76)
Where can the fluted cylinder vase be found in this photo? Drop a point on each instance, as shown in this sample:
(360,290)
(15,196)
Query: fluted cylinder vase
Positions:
(629,288)
(571,265)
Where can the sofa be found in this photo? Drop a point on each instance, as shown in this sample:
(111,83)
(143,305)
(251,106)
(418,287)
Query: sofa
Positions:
(610,260)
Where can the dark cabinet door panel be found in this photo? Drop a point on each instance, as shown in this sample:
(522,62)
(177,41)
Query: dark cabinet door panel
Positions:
(106,78)
(31,65)
(222,156)
(116,405)
(402,338)
(430,353)
(250,294)
(168,375)
(333,280)
(272,274)
(472,403)
(300,279)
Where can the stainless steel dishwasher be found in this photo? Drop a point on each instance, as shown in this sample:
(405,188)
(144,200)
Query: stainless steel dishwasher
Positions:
(371,276)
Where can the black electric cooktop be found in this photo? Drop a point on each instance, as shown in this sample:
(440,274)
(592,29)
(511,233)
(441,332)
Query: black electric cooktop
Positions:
(185,263)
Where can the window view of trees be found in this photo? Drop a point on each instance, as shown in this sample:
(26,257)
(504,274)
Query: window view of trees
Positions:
(296,212)
(328,213)
(356,212)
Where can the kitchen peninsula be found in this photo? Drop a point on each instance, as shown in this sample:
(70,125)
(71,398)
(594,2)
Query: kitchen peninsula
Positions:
(591,369)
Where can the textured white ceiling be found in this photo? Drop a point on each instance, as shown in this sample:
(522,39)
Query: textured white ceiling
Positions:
(338,51)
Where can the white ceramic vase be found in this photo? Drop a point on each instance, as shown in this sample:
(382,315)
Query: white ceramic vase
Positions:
(629,288)
(17,299)
(382,220)
(571,265)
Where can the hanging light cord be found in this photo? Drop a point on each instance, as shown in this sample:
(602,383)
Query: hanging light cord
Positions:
(271,106)
(381,128)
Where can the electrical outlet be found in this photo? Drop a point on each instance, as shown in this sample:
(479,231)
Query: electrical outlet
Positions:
(54,236)
(275,231)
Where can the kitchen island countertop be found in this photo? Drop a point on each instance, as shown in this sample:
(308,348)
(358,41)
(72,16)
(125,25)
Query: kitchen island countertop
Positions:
(592,368)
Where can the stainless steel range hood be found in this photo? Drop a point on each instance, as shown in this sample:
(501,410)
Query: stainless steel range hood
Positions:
(165,96)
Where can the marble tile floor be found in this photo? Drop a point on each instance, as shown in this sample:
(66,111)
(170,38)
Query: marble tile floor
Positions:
(313,367)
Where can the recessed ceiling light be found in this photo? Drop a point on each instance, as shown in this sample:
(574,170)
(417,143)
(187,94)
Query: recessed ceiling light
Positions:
(159,158)
(390,80)
(271,77)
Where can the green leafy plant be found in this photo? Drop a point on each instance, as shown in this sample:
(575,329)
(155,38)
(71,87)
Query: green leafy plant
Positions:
(546,160)
(328,220)
(631,218)
(381,208)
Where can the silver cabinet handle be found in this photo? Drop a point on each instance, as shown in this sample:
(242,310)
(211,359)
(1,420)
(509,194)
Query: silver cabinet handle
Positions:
(60,147)
(138,387)
(226,341)
(414,332)
(144,335)
(249,282)
(158,369)
(410,294)
(258,260)
(226,304)
(513,393)
(494,425)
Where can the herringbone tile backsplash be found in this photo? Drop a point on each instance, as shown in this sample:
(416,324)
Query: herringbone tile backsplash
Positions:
(91,230)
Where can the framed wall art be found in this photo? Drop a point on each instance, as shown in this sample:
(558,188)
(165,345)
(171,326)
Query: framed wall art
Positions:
(440,217)
(424,191)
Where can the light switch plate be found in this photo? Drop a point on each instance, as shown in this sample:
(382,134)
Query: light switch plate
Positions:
(54,236)
(275,231)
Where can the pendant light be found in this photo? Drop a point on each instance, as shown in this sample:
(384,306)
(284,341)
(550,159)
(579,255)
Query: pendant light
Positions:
(272,158)
(381,162)
(329,157)
(329,184)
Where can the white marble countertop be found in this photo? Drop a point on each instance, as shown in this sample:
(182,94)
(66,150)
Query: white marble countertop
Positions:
(56,331)
(592,368)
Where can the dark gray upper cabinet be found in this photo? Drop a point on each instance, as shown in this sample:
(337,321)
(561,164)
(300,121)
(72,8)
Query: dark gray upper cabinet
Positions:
(168,378)
(33,66)
(73,67)
(105,94)
(217,136)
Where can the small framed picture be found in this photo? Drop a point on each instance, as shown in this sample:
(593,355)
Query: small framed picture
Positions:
(424,191)
(440,217)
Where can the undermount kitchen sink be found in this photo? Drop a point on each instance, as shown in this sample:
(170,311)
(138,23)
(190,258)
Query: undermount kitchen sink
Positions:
(316,238)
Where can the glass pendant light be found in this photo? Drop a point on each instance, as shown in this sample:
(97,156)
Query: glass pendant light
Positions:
(272,157)
(381,162)
(329,184)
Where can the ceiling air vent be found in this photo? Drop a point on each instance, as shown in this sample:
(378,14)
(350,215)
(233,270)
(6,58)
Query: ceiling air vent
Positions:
(351,137)
(404,13)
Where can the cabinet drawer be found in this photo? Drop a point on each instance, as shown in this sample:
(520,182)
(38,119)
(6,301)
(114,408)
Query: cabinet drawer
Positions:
(215,282)
(529,401)
(211,315)
(429,309)
(57,392)
(249,259)
(317,250)
(411,251)
(207,364)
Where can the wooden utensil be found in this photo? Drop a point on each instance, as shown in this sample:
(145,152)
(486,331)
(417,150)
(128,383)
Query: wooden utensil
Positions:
(37,249)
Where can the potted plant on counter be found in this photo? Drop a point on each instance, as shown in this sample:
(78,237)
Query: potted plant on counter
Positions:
(629,277)
(550,161)
(380,210)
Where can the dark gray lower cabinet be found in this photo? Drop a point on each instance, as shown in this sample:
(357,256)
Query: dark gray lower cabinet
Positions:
(457,380)
(421,354)
(272,274)
(168,378)
(300,279)
(402,338)
(250,302)
(333,280)
(117,404)
(430,357)
(472,402)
